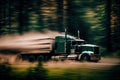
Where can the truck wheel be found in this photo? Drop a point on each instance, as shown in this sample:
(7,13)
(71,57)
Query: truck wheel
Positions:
(85,58)
(96,61)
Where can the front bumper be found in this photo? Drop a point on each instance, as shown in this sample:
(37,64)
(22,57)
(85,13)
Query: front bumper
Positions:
(95,57)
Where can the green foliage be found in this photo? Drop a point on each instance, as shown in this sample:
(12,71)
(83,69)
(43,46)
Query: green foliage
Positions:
(37,73)
(33,73)
(61,73)
(84,74)
(5,71)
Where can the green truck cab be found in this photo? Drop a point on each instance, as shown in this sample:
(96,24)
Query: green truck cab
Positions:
(76,49)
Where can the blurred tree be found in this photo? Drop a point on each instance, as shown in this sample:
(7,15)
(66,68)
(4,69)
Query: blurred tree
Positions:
(108,25)
(2,16)
(101,24)
(97,20)
(76,18)
(22,8)
(60,15)
(9,6)
(115,24)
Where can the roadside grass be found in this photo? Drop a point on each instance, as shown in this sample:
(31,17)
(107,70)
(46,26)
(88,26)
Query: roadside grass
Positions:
(41,72)
(76,74)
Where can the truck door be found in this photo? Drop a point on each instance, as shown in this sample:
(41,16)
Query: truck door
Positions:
(60,45)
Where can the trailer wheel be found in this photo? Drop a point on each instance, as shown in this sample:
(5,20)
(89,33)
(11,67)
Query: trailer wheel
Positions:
(31,58)
(40,58)
(46,58)
(18,58)
(85,57)
(24,57)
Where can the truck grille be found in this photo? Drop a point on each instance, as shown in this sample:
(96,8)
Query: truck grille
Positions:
(96,50)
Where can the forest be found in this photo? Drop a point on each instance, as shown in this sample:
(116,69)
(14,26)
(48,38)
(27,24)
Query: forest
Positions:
(97,20)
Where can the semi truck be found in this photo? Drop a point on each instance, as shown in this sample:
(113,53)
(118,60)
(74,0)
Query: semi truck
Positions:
(63,47)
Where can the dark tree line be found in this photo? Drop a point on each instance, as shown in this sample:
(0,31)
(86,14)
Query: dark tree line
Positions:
(115,24)
(97,20)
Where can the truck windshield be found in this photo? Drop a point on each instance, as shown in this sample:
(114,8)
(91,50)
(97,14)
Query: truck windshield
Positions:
(77,42)
(87,48)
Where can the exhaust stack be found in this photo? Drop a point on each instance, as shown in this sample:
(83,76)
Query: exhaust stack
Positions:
(65,34)
(78,34)
(65,40)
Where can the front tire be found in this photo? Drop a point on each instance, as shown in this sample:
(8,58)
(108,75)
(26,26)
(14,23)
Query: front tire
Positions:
(85,57)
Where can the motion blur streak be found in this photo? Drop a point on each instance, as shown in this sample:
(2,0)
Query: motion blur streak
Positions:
(31,40)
